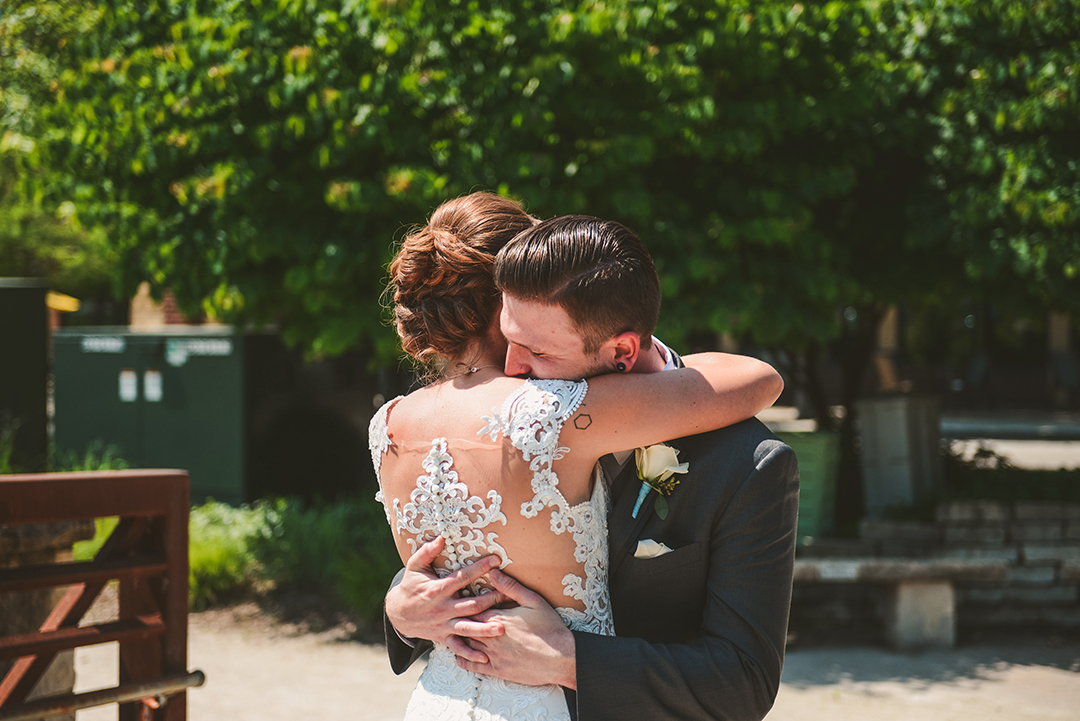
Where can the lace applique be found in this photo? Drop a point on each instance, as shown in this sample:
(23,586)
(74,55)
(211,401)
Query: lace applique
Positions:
(378,443)
(441,506)
(532,419)
(591,542)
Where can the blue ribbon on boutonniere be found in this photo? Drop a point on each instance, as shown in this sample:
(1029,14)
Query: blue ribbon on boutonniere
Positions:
(656,467)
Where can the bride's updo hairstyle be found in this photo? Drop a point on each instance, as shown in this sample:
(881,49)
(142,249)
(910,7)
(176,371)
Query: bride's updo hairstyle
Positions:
(441,277)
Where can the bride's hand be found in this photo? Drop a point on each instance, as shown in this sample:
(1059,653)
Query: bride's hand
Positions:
(426,606)
(535,649)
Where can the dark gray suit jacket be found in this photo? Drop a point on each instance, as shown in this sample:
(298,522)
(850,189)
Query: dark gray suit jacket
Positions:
(701,630)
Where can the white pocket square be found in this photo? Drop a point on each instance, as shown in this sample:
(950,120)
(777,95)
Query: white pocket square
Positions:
(650,549)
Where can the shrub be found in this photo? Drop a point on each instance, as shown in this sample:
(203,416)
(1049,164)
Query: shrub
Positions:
(98,456)
(7,448)
(343,549)
(220,555)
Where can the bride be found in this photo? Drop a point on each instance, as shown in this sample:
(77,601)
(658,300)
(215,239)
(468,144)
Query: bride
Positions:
(503,466)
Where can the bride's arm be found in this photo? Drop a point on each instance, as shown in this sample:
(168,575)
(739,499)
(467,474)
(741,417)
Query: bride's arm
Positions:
(638,409)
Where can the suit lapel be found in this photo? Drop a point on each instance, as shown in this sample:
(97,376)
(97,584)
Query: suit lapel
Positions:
(623,528)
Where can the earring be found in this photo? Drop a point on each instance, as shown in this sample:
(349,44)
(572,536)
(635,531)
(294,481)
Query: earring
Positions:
(621,367)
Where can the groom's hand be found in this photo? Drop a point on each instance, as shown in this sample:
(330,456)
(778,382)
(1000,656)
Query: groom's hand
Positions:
(536,647)
(426,606)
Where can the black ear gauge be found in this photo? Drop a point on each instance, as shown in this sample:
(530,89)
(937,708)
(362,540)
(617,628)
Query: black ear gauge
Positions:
(621,367)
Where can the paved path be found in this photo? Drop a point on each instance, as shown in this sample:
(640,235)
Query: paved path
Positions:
(256,673)
(1008,682)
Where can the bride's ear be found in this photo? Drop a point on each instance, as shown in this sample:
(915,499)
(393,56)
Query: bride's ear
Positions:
(624,349)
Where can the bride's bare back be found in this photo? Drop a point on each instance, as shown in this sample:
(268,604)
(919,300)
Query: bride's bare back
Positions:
(483,466)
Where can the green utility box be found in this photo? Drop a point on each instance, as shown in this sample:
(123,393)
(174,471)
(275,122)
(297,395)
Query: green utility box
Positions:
(24,337)
(245,416)
(166,400)
(818,454)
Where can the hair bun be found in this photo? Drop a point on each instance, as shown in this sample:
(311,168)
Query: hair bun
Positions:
(441,277)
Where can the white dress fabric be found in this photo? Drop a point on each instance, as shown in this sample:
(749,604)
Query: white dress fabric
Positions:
(531,420)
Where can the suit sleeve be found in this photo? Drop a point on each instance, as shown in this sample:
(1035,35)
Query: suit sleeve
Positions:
(733,671)
(402,655)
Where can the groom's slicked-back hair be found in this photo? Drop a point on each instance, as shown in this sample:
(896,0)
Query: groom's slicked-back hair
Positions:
(598,271)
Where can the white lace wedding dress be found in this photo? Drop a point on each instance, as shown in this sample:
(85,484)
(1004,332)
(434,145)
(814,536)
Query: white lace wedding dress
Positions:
(441,504)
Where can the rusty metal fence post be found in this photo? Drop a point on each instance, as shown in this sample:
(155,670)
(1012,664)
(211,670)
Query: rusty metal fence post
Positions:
(147,554)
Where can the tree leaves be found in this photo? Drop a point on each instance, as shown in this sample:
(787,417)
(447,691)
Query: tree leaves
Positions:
(782,160)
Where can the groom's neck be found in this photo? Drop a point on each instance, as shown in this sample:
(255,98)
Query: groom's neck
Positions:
(650,360)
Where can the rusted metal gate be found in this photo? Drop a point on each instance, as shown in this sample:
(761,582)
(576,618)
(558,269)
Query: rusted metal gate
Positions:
(147,553)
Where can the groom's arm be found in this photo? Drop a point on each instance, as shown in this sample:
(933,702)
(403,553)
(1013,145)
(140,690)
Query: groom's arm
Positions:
(402,653)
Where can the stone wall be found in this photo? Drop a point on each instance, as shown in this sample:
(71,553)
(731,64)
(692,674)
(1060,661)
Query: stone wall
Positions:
(1038,541)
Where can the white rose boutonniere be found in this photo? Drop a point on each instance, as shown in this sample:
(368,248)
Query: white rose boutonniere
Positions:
(656,467)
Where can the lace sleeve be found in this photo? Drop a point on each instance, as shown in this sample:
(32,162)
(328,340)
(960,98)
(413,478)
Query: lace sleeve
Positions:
(379,441)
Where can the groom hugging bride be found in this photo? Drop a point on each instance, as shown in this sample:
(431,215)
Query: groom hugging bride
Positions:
(553,571)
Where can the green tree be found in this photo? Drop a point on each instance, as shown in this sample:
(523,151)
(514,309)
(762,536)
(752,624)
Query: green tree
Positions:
(259,158)
(785,161)
(33,242)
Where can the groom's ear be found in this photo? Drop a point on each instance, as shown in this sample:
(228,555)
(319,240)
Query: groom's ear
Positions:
(624,348)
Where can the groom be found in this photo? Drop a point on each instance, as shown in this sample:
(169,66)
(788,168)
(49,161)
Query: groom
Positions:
(701,629)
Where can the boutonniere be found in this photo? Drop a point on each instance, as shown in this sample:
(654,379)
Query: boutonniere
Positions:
(656,467)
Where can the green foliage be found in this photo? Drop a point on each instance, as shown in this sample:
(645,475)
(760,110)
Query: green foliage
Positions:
(36,245)
(795,167)
(997,85)
(782,160)
(97,457)
(7,447)
(32,35)
(220,555)
(989,476)
(33,242)
(343,549)
(103,528)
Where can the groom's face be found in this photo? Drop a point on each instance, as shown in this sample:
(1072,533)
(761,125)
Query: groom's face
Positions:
(542,342)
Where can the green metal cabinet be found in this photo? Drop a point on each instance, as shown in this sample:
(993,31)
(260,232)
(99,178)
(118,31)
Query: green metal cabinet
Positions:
(167,400)
(247,417)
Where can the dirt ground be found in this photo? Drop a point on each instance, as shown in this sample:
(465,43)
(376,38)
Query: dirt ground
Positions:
(261,670)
